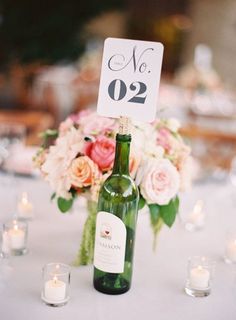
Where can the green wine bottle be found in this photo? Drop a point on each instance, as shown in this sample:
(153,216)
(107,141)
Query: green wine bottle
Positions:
(116,222)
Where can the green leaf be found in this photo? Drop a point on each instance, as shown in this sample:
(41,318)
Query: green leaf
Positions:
(49,133)
(168,212)
(155,213)
(73,193)
(87,139)
(85,254)
(53,196)
(141,203)
(156,221)
(48,136)
(176,203)
(64,205)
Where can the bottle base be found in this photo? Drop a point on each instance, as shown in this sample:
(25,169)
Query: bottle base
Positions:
(111,284)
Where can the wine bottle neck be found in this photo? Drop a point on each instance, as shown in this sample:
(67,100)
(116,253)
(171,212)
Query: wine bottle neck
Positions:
(121,163)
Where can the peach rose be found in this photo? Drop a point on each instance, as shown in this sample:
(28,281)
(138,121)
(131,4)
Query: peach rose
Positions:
(102,152)
(83,172)
(160,182)
(96,186)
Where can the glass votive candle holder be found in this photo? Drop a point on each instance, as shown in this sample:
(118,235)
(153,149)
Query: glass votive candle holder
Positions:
(25,207)
(230,248)
(200,273)
(196,219)
(56,281)
(14,238)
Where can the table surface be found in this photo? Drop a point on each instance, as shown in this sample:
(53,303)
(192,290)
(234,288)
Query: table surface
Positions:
(159,277)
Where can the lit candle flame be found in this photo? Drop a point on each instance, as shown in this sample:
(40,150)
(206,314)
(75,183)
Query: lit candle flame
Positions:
(24,198)
(55,279)
(15,227)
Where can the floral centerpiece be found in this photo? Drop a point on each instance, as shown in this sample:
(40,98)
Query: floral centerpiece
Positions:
(81,157)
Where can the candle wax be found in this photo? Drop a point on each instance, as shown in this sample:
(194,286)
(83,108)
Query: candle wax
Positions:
(197,218)
(16,238)
(55,290)
(199,278)
(231,250)
(25,207)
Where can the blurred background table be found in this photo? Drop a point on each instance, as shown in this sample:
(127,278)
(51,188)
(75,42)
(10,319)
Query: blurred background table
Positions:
(50,64)
(34,122)
(159,277)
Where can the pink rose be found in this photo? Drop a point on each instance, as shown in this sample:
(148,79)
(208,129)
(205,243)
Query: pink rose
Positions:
(163,139)
(102,152)
(160,182)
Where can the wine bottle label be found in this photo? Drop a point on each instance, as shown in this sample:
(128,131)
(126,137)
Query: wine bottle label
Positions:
(110,241)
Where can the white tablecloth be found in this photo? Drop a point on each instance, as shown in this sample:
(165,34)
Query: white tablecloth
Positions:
(158,280)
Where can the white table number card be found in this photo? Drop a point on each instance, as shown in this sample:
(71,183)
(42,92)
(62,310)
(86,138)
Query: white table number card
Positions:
(130,78)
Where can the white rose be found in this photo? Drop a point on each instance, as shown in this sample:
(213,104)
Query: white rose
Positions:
(160,181)
(141,134)
(140,172)
(153,150)
(65,126)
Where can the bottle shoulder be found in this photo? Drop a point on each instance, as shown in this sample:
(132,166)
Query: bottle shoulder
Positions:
(120,186)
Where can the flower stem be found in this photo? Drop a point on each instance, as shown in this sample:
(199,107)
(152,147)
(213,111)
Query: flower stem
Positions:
(85,254)
(157,230)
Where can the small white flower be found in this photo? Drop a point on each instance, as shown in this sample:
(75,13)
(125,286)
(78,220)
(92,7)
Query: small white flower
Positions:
(58,160)
(173,124)
(152,149)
